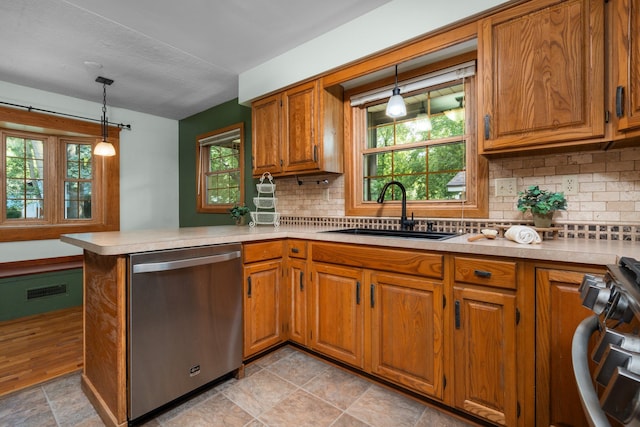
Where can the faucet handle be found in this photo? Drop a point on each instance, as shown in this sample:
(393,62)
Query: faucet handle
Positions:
(409,223)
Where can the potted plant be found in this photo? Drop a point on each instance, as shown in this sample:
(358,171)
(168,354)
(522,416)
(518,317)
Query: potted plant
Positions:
(238,213)
(542,204)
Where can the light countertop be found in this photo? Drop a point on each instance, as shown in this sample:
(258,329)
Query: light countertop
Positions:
(596,252)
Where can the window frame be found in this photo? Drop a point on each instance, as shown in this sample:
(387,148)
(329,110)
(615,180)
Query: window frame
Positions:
(202,166)
(475,204)
(57,131)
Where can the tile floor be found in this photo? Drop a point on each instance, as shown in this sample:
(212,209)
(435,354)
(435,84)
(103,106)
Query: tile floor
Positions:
(285,388)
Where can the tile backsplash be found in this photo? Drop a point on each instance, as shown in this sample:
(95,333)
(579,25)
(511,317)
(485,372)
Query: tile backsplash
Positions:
(607,203)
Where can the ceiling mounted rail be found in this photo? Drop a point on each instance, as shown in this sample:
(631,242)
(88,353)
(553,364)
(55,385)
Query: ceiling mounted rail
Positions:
(30,108)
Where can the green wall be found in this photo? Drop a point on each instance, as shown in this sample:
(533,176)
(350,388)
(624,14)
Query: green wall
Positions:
(13,293)
(214,118)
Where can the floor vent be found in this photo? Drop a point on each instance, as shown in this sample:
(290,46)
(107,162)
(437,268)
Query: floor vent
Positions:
(46,291)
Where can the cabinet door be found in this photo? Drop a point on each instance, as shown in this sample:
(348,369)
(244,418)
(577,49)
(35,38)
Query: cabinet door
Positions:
(626,62)
(559,310)
(542,71)
(265,122)
(337,329)
(407,331)
(300,109)
(297,294)
(262,310)
(485,354)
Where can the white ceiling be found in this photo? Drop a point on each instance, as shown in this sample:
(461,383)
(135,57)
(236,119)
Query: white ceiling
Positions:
(167,58)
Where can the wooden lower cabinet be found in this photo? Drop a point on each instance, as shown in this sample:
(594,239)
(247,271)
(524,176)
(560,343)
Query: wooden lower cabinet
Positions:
(337,313)
(406,331)
(388,324)
(263,297)
(297,300)
(485,353)
(559,310)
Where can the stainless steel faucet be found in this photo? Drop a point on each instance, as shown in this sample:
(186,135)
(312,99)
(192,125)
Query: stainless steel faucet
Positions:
(405,224)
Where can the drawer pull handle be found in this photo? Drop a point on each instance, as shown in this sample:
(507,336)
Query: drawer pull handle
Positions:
(457,314)
(358,293)
(249,287)
(482,273)
(295,250)
(301,281)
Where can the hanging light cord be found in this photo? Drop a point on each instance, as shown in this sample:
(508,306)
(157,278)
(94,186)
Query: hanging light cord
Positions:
(104,111)
(30,108)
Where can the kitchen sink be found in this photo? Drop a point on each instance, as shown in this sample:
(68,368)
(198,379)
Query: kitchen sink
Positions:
(429,235)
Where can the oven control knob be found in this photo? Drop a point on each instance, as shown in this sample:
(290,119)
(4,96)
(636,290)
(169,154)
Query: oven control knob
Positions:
(589,280)
(613,338)
(596,297)
(620,308)
(614,357)
(620,399)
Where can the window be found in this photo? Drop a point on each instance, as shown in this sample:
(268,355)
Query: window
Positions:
(424,151)
(220,180)
(51,182)
(431,151)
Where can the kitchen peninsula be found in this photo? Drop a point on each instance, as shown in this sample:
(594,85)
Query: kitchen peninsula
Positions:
(349,298)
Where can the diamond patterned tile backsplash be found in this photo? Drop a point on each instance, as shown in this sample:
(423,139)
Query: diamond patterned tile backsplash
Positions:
(606,206)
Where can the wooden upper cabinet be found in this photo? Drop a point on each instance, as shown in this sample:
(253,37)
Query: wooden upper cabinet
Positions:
(625,45)
(541,66)
(265,122)
(300,107)
(298,131)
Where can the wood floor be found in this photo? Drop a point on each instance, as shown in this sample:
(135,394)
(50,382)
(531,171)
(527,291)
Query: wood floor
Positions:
(37,348)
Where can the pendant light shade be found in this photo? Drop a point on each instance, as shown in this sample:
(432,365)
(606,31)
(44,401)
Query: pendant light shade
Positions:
(395,106)
(104,147)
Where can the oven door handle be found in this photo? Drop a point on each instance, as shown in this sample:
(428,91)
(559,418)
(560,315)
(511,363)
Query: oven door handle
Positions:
(153,267)
(579,356)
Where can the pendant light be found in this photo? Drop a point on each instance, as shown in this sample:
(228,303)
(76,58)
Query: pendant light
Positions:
(395,106)
(104,147)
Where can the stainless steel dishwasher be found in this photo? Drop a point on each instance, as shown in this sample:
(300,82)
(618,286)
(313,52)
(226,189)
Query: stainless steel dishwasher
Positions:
(184,322)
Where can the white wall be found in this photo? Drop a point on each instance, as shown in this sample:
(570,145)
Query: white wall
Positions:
(148,168)
(380,29)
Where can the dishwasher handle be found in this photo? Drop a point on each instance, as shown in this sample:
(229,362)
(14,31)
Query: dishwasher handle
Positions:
(153,267)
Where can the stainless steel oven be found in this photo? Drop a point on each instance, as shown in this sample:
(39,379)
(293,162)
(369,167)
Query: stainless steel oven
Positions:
(610,395)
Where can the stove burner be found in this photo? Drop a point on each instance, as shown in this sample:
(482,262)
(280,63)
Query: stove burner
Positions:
(632,267)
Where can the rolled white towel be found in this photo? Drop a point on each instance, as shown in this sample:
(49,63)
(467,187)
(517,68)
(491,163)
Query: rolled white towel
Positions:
(522,234)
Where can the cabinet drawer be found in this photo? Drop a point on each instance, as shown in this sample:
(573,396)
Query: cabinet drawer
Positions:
(500,274)
(297,248)
(261,251)
(417,263)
